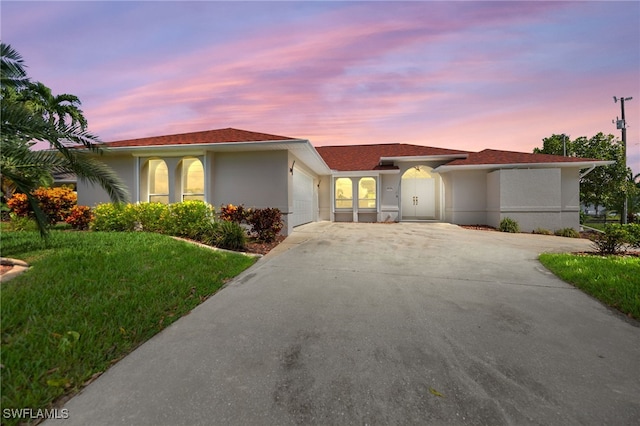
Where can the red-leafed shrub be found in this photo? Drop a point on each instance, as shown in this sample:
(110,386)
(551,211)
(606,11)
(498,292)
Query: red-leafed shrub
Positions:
(231,213)
(80,217)
(266,223)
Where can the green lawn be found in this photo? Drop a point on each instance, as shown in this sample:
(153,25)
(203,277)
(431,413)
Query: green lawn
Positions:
(89,299)
(614,280)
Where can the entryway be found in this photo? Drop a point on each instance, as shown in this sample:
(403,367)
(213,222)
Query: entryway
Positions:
(420,192)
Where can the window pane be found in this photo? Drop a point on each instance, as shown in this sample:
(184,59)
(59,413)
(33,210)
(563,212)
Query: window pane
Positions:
(193,197)
(367,193)
(158,181)
(192,176)
(344,193)
(164,199)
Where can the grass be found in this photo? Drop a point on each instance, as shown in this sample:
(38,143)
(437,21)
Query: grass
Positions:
(89,299)
(614,280)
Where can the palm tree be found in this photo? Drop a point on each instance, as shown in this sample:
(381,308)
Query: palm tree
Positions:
(58,109)
(25,121)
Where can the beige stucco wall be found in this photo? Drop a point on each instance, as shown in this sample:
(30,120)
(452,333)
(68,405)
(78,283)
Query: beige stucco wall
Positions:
(124,165)
(465,197)
(535,198)
(255,179)
(389,198)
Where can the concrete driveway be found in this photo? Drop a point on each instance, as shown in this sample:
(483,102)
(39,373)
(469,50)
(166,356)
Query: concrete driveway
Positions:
(384,324)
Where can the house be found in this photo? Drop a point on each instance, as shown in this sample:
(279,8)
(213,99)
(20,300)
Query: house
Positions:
(352,183)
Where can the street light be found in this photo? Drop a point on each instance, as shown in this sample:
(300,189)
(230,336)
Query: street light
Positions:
(622,125)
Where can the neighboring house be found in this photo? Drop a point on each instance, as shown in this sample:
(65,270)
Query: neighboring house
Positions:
(353,183)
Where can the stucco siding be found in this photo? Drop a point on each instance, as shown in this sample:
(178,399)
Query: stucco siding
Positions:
(389,198)
(465,197)
(324,197)
(124,166)
(255,179)
(535,198)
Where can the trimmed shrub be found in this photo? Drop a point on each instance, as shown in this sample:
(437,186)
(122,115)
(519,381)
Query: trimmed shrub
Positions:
(187,219)
(149,216)
(542,231)
(266,223)
(509,225)
(611,241)
(567,232)
(80,217)
(114,217)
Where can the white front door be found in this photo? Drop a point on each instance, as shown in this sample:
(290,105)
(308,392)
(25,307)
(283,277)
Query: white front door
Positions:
(418,193)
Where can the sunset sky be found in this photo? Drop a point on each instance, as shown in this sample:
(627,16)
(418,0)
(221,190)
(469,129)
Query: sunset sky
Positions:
(461,75)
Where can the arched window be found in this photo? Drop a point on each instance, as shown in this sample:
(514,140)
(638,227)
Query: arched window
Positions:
(344,193)
(158,181)
(367,193)
(192,179)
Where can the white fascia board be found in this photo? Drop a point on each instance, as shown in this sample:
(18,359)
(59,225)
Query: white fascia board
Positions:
(582,165)
(220,146)
(405,159)
(363,173)
(302,148)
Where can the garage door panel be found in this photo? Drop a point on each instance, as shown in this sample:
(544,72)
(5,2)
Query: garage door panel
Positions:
(302,198)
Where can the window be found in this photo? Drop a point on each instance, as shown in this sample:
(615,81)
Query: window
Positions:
(344,193)
(192,179)
(158,182)
(367,193)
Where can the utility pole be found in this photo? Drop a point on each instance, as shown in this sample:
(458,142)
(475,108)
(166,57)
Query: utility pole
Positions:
(622,125)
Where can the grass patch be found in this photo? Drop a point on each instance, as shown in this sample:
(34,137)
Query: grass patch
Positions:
(89,299)
(614,280)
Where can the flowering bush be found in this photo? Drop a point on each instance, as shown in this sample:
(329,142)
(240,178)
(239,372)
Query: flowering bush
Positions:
(79,217)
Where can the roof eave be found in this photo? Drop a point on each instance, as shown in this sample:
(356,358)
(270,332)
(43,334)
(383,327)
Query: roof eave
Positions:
(573,164)
(439,157)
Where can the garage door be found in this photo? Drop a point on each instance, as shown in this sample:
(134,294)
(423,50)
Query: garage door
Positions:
(302,198)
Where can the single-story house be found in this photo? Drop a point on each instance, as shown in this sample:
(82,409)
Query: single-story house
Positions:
(348,183)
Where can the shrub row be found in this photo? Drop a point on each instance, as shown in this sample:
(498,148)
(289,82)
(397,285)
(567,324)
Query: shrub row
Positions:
(58,204)
(189,219)
(616,238)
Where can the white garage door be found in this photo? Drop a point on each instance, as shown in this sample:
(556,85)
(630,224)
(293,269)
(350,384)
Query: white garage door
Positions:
(302,198)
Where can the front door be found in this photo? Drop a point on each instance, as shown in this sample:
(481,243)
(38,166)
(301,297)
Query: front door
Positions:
(418,194)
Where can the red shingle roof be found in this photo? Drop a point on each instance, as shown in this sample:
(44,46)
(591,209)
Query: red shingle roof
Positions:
(367,157)
(209,136)
(492,156)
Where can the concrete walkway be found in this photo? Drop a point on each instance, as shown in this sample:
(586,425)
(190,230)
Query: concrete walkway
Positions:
(384,324)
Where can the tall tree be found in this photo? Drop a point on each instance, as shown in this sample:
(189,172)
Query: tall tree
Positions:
(24,121)
(603,186)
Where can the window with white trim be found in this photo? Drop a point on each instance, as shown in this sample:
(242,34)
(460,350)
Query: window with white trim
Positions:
(158,181)
(367,193)
(344,193)
(192,179)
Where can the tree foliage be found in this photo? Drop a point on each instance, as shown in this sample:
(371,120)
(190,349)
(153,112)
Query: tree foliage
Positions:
(31,113)
(604,186)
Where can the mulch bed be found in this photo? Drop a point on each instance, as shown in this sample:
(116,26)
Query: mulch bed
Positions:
(259,247)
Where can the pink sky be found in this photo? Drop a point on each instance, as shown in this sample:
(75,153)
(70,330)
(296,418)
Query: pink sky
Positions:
(462,75)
